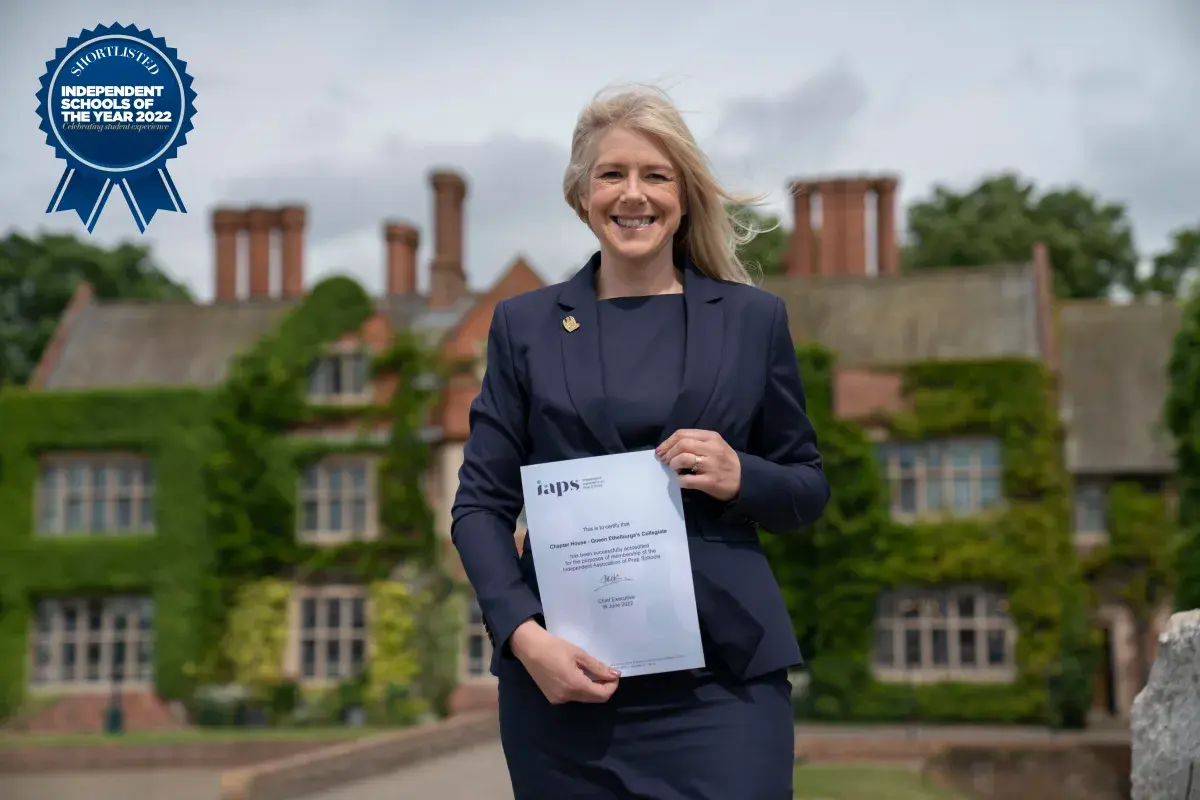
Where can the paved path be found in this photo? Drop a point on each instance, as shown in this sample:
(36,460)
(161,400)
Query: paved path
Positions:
(477,773)
(169,784)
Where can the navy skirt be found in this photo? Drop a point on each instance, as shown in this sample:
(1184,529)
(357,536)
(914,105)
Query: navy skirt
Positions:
(694,735)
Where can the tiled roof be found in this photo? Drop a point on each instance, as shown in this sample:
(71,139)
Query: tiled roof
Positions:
(127,344)
(972,313)
(1114,385)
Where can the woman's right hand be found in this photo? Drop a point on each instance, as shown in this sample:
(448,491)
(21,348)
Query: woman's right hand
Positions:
(564,672)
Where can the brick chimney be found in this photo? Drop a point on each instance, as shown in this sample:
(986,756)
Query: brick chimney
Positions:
(260,222)
(844,207)
(832,257)
(886,249)
(227,224)
(801,253)
(292,220)
(402,242)
(447,280)
(262,227)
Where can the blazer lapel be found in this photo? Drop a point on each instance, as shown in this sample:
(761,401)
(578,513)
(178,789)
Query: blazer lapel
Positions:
(581,354)
(705,338)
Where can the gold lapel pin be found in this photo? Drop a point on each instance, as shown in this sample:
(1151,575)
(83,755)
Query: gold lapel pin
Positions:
(570,324)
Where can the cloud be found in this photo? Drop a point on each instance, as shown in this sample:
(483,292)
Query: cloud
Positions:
(514,201)
(1139,130)
(765,141)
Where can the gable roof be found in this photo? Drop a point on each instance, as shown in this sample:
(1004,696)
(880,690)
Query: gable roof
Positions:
(113,345)
(891,320)
(1114,385)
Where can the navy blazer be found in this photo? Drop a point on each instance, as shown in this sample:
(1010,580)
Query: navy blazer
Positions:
(541,400)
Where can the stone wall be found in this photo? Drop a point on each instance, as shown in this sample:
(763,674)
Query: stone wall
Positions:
(1079,772)
(1166,717)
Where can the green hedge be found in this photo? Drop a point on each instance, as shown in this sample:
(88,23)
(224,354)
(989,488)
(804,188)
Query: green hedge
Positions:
(171,428)
(833,573)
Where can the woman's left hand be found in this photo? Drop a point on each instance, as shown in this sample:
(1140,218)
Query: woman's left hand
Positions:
(703,461)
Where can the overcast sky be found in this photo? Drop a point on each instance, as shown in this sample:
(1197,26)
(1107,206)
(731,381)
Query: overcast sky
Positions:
(347,106)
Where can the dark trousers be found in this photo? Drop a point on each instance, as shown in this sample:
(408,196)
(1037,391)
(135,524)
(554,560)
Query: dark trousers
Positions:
(699,735)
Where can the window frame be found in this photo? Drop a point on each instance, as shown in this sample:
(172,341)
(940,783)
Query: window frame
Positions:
(889,454)
(135,674)
(62,464)
(1089,501)
(937,608)
(474,631)
(323,468)
(345,361)
(345,595)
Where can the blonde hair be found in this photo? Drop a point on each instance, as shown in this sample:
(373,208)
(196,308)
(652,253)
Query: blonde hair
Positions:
(710,234)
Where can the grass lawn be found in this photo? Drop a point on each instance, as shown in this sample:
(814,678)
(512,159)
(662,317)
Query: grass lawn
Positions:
(187,736)
(863,782)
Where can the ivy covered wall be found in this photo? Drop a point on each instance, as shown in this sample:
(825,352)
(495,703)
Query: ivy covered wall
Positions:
(170,564)
(833,573)
(224,555)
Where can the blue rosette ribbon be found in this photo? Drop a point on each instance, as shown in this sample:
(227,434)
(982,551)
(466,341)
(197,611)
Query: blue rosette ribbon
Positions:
(116,104)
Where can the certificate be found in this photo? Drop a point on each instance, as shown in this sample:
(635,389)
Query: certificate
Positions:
(610,548)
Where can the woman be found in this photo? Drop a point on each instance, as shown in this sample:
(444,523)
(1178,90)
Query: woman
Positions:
(658,342)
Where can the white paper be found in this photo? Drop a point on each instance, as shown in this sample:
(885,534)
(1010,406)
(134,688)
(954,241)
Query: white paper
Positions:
(610,548)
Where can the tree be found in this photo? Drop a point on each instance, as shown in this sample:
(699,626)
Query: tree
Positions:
(998,221)
(1182,417)
(768,250)
(38,277)
(1175,268)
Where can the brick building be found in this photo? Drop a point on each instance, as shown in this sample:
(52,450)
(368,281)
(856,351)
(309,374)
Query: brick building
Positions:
(1109,362)
(1109,359)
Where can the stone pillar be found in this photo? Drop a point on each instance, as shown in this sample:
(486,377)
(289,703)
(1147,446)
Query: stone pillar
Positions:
(1166,717)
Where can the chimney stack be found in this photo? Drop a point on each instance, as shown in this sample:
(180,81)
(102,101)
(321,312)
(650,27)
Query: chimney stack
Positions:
(260,221)
(842,249)
(831,260)
(226,225)
(801,250)
(886,248)
(402,241)
(261,226)
(292,220)
(447,280)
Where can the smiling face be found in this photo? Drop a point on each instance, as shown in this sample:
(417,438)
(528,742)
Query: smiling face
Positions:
(634,199)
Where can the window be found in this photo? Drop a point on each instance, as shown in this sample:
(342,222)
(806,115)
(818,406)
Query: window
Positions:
(337,499)
(100,494)
(333,633)
(955,633)
(85,642)
(338,376)
(478,646)
(1090,507)
(942,477)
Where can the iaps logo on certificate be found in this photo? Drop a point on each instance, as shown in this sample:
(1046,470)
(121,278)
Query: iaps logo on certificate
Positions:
(116,104)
